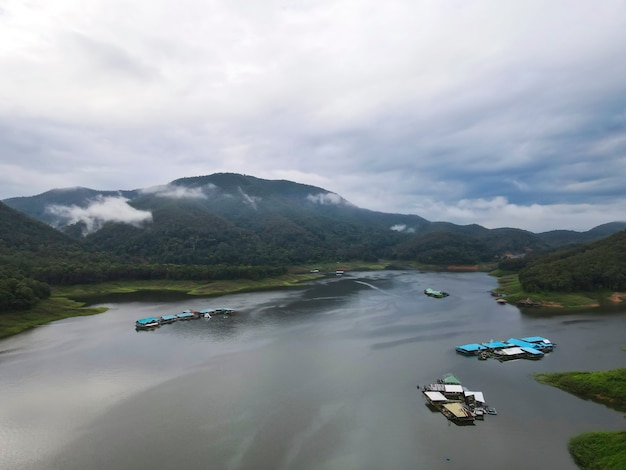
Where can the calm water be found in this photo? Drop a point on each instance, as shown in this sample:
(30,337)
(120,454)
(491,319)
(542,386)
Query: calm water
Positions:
(317,377)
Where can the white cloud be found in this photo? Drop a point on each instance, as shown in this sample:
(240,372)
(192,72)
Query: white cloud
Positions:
(326,199)
(498,212)
(172,191)
(402,228)
(101,211)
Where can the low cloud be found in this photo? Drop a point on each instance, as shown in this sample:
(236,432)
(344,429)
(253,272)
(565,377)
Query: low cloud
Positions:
(326,199)
(402,228)
(250,200)
(499,212)
(172,191)
(100,211)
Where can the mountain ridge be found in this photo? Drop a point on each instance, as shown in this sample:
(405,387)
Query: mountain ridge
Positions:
(235,218)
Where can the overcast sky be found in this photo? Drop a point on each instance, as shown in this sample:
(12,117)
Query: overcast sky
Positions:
(501,113)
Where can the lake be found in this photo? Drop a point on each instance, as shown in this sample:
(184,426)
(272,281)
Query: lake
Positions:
(320,376)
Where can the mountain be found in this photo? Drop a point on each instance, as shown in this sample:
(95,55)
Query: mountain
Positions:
(589,267)
(239,219)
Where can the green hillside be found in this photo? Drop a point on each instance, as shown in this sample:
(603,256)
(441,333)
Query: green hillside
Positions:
(595,266)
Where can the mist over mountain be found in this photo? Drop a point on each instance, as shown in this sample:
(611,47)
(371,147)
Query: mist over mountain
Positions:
(240,219)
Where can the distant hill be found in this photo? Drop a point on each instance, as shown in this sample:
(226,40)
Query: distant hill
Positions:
(589,267)
(239,219)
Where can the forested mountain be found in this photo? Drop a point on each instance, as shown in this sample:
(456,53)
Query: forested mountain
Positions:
(238,219)
(598,265)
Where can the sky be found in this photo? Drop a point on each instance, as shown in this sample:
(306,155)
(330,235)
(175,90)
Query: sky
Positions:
(500,113)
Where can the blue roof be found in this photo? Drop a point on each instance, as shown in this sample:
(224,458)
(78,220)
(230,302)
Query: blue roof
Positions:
(143,321)
(472,347)
(521,343)
(169,317)
(495,344)
(185,315)
(533,351)
(537,339)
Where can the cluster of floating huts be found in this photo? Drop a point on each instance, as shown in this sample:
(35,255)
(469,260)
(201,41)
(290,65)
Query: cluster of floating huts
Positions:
(456,402)
(531,347)
(438,294)
(150,323)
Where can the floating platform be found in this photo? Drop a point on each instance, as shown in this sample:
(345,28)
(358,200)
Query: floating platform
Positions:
(532,347)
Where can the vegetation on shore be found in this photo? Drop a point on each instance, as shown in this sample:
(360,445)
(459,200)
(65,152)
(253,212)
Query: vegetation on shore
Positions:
(510,286)
(60,305)
(48,310)
(599,450)
(606,387)
(595,450)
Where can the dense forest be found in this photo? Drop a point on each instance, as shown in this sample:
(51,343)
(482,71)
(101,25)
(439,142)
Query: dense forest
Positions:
(34,256)
(589,267)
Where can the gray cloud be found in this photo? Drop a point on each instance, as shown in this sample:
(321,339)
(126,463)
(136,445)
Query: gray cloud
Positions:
(490,112)
(101,211)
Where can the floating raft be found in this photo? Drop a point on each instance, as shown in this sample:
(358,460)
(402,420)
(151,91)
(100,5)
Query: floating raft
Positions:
(150,323)
(438,294)
(455,402)
(532,347)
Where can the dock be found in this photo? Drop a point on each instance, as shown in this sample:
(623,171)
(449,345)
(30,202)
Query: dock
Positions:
(150,323)
(532,347)
(456,402)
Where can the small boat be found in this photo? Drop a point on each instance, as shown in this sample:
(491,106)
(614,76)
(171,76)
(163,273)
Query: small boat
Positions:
(438,294)
(501,300)
(147,323)
(491,411)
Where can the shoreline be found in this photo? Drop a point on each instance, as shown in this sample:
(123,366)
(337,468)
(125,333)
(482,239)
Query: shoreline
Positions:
(67,301)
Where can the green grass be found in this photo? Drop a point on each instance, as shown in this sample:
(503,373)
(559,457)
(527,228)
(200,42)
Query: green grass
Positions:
(54,308)
(606,387)
(595,450)
(61,306)
(599,450)
(508,283)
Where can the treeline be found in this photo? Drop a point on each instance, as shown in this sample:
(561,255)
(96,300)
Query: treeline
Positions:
(23,290)
(20,293)
(67,274)
(596,266)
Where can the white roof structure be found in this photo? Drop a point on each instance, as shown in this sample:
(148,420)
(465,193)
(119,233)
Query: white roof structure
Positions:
(510,351)
(453,388)
(478,396)
(435,396)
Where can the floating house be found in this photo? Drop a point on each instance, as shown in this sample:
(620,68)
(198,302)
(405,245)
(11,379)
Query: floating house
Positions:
(532,347)
(454,401)
(472,349)
(186,316)
(544,343)
(168,319)
(147,323)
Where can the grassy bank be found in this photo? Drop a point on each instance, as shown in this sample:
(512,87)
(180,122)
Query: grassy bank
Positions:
(607,387)
(599,450)
(595,450)
(60,305)
(508,284)
(54,308)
